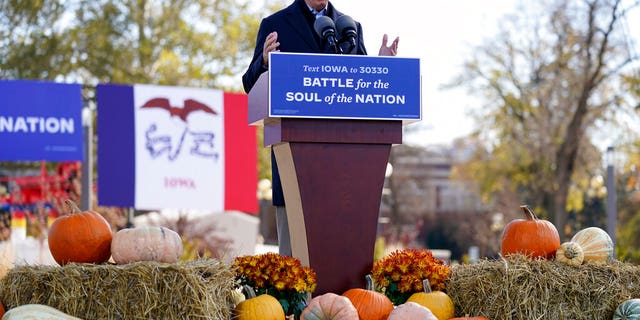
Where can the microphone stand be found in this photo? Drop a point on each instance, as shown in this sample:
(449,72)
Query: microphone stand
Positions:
(334,45)
(348,49)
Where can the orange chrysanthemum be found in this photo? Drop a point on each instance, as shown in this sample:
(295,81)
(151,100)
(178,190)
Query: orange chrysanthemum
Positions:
(280,276)
(401,273)
(271,270)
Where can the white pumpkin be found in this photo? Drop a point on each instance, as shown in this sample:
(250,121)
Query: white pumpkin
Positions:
(595,243)
(570,253)
(36,312)
(146,243)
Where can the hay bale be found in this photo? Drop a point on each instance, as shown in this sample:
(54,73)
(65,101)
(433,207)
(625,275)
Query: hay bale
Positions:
(198,289)
(521,288)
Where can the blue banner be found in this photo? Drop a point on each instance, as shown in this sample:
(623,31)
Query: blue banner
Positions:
(40,121)
(344,86)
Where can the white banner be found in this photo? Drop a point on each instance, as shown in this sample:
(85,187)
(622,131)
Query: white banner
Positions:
(179,147)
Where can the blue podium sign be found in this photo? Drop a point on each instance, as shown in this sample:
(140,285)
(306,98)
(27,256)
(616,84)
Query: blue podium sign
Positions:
(344,87)
(40,121)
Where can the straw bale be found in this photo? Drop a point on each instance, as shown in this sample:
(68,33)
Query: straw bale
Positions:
(521,288)
(199,289)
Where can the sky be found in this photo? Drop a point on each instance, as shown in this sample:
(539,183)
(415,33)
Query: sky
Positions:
(442,34)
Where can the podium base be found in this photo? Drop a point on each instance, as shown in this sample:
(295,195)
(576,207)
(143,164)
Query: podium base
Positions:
(332,194)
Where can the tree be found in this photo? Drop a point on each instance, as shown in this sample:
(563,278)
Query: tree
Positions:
(551,79)
(628,190)
(32,42)
(178,42)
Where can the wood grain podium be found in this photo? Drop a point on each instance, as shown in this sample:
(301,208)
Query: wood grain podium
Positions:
(332,173)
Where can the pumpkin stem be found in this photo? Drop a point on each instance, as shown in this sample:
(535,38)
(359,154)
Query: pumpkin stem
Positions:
(248,292)
(426,286)
(369,282)
(528,213)
(570,254)
(72,207)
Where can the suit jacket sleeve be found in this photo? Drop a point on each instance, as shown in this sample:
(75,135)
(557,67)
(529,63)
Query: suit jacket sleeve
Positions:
(256,67)
(361,49)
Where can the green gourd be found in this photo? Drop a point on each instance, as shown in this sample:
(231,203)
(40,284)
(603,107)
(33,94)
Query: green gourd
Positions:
(628,310)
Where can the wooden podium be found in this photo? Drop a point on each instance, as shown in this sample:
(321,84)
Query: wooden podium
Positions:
(332,173)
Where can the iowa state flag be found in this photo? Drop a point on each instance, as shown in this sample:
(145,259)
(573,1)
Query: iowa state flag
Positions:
(175,147)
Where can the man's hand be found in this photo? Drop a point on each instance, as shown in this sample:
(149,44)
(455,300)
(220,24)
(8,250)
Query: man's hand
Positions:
(391,50)
(271,44)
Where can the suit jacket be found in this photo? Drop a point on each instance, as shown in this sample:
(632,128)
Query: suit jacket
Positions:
(295,34)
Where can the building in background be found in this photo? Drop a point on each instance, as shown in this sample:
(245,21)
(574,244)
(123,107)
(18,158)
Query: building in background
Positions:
(423,205)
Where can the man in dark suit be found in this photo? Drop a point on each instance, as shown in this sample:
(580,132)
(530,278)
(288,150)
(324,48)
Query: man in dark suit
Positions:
(292,30)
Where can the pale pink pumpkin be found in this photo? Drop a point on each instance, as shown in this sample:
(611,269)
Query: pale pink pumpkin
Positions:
(146,244)
(411,311)
(329,306)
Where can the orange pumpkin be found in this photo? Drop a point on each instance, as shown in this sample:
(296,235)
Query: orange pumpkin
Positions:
(80,236)
(530,236)
(371,305)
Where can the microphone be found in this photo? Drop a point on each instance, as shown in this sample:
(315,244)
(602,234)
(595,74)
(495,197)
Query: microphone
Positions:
(347,31)
(326,29)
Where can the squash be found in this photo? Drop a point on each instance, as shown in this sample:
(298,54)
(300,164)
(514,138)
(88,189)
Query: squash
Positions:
(371,305)
(570,253)
(80,236)
(628,310)
(2,311)
(411,311)
(261,307)
(596,244)
(236,297)
(146,244)
(437,301)
(36,312)
(329,306)
(530,236)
